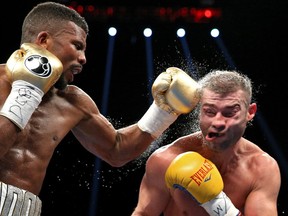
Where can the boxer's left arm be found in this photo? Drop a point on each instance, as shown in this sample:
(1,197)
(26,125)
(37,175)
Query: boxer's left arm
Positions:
(262,201)
(153,195)
(118,147)
(8,134)
(99,136)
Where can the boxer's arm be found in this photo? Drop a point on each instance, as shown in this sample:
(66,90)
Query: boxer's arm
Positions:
(8,130)
(8,135)
(118,147)
(153,195)
(262,201)
(98,135)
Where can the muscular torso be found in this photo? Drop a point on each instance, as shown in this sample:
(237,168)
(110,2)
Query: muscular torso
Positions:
(237,172)
(24,164)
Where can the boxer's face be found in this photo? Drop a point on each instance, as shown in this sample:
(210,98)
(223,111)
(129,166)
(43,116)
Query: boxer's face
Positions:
(69,45)
(223,118)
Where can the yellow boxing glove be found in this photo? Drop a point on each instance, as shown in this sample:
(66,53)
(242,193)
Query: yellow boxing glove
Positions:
(32,71)
(197,175)
(174,93)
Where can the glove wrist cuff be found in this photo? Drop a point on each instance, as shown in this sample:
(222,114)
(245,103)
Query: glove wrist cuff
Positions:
(156,120)
(221,205)
(22,101)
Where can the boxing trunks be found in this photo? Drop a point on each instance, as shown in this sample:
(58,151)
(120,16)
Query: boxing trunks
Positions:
(18,202)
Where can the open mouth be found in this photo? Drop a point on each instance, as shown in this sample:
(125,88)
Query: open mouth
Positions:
(213,134)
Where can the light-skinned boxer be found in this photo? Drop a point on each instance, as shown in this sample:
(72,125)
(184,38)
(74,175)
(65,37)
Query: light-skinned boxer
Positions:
(214,170)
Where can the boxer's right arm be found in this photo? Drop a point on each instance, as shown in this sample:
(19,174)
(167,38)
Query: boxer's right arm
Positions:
(32,71)
(174,93)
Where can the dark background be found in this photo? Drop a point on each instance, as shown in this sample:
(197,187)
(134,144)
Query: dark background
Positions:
(255,35)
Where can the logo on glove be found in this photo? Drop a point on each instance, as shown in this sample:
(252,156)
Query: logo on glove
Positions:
(38,65)
(201,175)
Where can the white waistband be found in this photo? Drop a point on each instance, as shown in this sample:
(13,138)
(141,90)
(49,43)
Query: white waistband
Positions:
(18,202)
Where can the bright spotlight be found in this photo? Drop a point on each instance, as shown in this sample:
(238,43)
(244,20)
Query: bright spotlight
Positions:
(214,32)
(112,31)
(147,32)
(181,32)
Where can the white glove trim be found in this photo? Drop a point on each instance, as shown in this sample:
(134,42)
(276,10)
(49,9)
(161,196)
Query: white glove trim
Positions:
(22,101)
(156,120)
(221,206)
